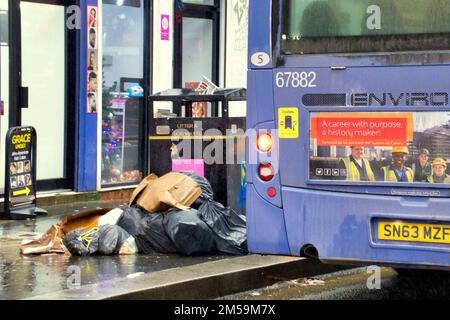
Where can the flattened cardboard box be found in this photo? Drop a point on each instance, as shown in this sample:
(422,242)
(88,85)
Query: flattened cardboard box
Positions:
(173,190)
(52,240)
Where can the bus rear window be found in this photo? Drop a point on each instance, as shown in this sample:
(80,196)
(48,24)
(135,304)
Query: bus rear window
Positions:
(348,26)
(371,147)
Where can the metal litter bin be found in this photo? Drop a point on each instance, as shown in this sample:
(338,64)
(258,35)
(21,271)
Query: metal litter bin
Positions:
(170,130)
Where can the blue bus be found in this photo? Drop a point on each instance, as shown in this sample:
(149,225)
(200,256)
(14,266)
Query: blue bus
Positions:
(349,100)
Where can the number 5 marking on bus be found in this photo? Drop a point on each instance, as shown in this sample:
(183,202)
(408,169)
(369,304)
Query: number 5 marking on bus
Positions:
(296,79)
(260,59)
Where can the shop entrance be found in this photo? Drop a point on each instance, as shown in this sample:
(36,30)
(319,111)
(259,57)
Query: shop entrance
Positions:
(197,42)
(43,85)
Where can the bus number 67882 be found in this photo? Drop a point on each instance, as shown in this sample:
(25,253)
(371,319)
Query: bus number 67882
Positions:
(296,79)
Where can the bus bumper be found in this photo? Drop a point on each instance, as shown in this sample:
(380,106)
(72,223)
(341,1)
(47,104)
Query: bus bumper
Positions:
(266,231)
(343,227)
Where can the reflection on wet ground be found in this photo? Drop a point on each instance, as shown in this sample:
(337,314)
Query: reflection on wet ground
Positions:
(28,276)
(352,285)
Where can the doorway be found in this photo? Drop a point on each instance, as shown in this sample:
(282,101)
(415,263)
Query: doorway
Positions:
(197,42)
(43,86)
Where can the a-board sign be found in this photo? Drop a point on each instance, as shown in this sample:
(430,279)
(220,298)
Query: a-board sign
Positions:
(20,175)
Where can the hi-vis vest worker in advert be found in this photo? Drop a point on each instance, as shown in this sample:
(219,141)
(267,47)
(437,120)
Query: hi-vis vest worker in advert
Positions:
(397,171)
(422,166)
(439,175)
(357,168)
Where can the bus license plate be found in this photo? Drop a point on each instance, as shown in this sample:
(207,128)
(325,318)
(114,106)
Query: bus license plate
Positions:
(412,232)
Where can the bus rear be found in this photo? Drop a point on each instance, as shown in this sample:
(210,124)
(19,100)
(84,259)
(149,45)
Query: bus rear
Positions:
(349,104)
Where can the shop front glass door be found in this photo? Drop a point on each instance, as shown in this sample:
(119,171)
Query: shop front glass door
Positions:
(44,70)
(197,49)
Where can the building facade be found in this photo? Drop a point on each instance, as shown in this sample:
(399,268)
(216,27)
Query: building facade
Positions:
(79,71)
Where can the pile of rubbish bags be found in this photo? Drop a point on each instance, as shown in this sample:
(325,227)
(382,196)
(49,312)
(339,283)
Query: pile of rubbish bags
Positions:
(175,213)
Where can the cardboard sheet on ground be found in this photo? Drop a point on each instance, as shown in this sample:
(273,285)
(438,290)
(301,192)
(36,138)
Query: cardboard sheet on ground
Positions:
(52,240)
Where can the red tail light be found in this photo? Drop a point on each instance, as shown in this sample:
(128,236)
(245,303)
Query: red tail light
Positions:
(272,192)
(266,172)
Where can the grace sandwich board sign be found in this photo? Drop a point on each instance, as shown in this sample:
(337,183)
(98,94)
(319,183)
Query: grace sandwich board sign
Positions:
(20,177)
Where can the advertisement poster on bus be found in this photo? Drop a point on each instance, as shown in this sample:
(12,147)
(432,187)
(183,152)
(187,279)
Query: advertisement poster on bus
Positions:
(408,147)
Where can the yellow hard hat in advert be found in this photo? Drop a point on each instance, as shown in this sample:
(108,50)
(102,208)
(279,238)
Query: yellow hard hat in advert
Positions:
(439,162)
(400,150)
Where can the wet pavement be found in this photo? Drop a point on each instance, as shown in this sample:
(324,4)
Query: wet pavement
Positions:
(352,285)
(28,276)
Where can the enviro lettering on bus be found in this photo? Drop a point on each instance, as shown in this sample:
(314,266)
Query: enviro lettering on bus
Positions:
(434,99)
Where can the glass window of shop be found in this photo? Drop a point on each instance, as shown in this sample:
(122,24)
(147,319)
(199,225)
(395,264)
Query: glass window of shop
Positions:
(4,70)
(197,49)
(123,96)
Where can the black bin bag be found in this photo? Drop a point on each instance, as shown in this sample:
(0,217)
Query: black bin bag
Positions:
(147,230)
(130,220)
(205,186)
(111,239)
(152,237)
(191,236)
(229,227)
(82,243)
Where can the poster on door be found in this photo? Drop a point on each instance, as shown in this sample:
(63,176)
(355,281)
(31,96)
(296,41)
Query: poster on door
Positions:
(92,60)
(165,27)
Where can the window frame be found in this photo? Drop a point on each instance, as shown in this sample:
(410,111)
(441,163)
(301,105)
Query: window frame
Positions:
(358,44)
